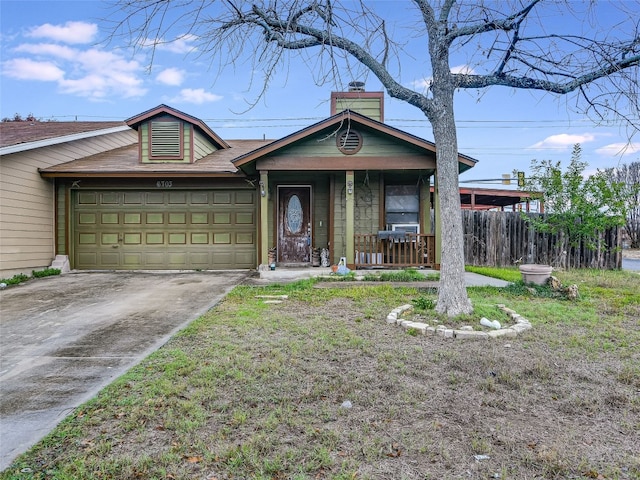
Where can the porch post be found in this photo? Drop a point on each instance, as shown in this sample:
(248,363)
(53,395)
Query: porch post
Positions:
(350,217)
(438,220)
(425,197)
(263,191)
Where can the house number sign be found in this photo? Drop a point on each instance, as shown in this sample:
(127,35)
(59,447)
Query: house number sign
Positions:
(164,184)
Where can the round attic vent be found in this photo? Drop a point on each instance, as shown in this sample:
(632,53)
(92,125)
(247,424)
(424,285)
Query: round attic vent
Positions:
(349,142)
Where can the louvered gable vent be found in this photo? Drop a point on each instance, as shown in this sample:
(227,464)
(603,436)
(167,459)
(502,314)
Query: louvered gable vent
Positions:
(349,142)
(166,139)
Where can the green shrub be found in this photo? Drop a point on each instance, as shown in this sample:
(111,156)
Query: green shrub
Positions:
(21,277)
(47,272)
(16,279)
(424,303)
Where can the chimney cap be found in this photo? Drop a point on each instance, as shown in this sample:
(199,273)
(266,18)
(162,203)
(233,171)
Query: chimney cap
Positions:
(356,86)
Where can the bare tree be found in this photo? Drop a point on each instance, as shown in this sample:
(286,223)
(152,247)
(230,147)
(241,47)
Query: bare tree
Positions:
(510,43)
(629,177)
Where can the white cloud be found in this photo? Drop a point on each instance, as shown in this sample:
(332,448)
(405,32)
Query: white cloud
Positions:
(424,84)
(464,69)
(70,32)
(27,69)
(562,141)
(48,49)
(619,149)
(181,44)
(93,73)
(171,76)
(197,96)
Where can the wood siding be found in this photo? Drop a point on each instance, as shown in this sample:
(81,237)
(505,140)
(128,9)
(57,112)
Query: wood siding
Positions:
(367,209)
(27,210)
(201,146)
(375,145)
(371,107)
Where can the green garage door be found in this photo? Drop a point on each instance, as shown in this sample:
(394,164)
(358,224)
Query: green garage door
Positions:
(169,229)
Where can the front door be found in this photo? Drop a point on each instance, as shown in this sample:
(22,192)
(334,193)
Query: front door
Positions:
(294,224)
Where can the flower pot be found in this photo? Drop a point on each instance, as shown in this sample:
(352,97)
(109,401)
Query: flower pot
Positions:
(534,273)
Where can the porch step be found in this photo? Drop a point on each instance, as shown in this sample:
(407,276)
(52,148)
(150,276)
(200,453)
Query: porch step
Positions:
(61,262)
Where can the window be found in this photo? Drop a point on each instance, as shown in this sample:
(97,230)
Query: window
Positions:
(402,205)
(166,139)
(349,142)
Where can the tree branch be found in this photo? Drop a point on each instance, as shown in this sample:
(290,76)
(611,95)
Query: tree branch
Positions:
(481,81)
(506,24)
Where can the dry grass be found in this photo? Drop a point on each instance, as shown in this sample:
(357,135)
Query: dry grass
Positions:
(255,390)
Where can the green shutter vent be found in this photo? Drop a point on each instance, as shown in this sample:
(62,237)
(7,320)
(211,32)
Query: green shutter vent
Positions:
(165,139)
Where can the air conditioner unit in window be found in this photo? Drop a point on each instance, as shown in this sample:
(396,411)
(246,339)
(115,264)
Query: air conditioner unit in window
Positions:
(405,227)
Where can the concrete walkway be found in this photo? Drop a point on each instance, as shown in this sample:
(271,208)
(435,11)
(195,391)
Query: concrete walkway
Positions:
(286,275)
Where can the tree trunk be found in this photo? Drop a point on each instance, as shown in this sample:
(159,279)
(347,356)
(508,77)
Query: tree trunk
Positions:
(452,294)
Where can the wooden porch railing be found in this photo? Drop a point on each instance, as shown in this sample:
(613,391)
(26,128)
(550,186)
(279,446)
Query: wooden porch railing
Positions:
(395,249)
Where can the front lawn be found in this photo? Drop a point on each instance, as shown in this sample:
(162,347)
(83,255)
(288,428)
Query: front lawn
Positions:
(320,386)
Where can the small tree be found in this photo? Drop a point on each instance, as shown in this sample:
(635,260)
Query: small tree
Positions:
(19,118)
(628,176)
(578,207)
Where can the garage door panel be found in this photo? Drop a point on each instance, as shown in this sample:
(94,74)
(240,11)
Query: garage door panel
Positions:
(154,198)
(90,258)
(199,238)
(108,259)
(164,230)
(133,238)
(179,198)
(198,198)
(109,218)
(177,260)
(199,218)
(154,259)
(109,198)
(133,218)
(133,198)
(131,259)
(154,218)
(109,239)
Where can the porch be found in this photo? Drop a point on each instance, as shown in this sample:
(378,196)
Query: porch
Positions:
(390,249)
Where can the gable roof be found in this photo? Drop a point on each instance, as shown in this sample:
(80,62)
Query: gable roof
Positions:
(335,122)
(21,136)
(135,121)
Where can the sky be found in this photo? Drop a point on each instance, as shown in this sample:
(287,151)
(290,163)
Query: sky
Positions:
(57,64)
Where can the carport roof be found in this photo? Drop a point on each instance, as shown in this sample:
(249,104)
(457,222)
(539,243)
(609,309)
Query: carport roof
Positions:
(125,162)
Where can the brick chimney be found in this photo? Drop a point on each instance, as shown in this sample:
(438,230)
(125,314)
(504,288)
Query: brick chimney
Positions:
(358,100)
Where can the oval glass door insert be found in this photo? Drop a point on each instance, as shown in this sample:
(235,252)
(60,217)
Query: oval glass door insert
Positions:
(294,214)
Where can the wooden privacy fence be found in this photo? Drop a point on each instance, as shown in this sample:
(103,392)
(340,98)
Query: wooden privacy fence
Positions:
(505,238)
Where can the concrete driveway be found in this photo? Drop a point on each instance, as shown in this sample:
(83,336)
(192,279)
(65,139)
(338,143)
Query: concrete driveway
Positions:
(64,338)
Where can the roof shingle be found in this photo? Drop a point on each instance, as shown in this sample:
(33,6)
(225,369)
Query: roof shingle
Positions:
(15,133)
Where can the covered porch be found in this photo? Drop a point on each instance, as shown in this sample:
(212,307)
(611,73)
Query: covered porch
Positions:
(350,186)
